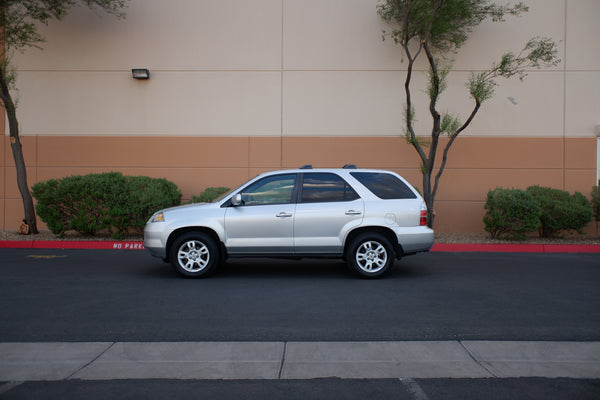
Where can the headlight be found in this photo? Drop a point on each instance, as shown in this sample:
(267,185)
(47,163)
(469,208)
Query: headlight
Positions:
(158,217)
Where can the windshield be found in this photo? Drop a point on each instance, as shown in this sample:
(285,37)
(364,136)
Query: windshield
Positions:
(221,197)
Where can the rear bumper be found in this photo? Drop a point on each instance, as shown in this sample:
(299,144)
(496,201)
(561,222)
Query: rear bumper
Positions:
(415,240)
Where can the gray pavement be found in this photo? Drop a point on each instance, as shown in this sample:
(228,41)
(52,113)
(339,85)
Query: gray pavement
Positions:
(297,360)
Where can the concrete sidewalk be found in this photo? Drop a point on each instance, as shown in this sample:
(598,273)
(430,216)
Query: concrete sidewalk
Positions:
(297,360)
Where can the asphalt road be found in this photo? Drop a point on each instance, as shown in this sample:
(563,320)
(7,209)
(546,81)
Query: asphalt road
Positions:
(326,389)
(128,296)
(100,295)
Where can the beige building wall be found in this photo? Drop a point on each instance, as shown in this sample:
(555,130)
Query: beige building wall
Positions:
(244,86)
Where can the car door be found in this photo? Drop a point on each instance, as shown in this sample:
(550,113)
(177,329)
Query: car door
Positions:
(264,222)
(327,209)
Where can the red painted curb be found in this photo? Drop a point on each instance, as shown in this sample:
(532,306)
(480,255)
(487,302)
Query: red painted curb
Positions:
(481,247)
(71,244)
(438,247)
(516,248)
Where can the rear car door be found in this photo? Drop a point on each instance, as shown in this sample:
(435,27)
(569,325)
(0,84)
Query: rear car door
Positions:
(327,209)
(264,222)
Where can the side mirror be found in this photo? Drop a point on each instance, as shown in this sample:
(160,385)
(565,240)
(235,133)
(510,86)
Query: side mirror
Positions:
(236,200)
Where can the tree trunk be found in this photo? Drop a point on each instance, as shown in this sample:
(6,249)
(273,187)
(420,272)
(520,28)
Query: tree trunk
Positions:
(28,208)
(17,151)
(429,198)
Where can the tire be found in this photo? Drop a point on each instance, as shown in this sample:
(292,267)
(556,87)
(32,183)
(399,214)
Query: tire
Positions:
(370,255)
(195,255)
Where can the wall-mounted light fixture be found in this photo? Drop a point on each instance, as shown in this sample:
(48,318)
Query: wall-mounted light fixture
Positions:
(140,73)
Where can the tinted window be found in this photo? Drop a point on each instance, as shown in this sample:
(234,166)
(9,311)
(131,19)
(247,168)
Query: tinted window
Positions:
(322,187)
(385,186)
(276,189)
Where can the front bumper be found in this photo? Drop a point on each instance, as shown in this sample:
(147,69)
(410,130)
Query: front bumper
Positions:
(154,240)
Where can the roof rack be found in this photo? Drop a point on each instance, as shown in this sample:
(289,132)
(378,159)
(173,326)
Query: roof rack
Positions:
(307,166)
(349,166)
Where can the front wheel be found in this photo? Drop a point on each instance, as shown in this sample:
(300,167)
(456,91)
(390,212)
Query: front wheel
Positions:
(370,255)
(195,255)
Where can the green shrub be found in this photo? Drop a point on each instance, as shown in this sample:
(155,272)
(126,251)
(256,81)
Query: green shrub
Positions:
(209,194)
(560,210)
(107,201)
(144,196)
(596,202)
(511,213)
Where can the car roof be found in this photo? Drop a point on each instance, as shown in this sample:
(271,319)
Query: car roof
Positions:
(308,170)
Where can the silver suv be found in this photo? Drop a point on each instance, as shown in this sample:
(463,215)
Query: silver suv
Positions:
(368,217)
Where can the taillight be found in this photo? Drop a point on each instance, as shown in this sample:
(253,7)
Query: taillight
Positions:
(423,220)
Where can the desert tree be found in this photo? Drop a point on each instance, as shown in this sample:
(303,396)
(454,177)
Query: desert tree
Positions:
(19,29)
(435,30)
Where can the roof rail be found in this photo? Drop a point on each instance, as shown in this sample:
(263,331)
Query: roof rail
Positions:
(307,166)
(349,166)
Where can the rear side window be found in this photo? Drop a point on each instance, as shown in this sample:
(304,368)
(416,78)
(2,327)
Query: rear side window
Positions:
(385,186)
(325,187)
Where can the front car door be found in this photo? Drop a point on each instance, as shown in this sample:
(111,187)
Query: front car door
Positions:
(264,222)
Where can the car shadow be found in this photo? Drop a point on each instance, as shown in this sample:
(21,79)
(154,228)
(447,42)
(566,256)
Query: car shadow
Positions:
(265,268)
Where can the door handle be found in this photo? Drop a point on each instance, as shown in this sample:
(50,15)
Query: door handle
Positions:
(283,215)
(352,212)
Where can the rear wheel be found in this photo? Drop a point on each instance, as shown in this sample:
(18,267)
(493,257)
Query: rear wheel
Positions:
(195,255)
(370,255)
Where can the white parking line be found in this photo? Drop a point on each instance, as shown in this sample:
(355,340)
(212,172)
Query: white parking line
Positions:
(414,389)
(8,386)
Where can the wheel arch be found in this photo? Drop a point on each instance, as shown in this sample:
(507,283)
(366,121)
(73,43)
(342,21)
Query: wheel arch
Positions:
(190,229)
(386,232)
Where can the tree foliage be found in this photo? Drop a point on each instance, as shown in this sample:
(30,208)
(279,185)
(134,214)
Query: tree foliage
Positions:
(20,18)
(19,23)
(436,29)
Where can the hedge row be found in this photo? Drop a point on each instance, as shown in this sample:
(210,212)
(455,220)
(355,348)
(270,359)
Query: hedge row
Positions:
(596,202)
(513,213)
(102,202)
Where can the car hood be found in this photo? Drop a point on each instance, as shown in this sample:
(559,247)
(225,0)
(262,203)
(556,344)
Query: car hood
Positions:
(185,206)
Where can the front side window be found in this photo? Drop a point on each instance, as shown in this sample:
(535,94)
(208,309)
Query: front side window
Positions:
(276,189)
(385,186)
(325,187)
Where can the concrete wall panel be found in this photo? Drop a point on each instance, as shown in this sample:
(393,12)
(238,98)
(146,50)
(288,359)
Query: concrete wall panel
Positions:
(126,152)
(165,35)
(580,153)
(582,103)
(582,26)
(241,87)
(342,103)
(476,164)
(529,108)
(343,35)
(168,104)
(491,40)
(474,184)
(333,152)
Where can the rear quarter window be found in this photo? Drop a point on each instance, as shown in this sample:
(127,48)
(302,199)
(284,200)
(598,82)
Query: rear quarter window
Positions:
(385,186)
